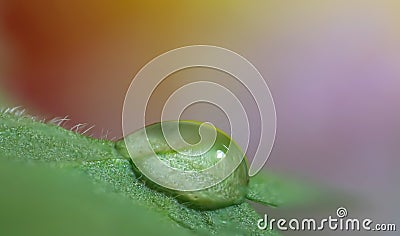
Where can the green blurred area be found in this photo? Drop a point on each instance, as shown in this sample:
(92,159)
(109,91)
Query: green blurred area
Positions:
(38,200)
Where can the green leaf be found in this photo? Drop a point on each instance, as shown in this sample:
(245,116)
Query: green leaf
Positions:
(26,139)
(278,191)
(36,200)
(22,138)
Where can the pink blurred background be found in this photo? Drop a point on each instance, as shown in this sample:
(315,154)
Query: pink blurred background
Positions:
(333,68)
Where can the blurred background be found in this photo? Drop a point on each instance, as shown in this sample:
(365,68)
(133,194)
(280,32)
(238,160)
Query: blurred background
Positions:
(333,68)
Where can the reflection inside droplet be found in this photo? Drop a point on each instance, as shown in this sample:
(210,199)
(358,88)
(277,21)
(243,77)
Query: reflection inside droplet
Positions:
(220,154)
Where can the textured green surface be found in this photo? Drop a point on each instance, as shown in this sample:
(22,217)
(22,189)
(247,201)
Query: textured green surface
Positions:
(22,138)
(274,190)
